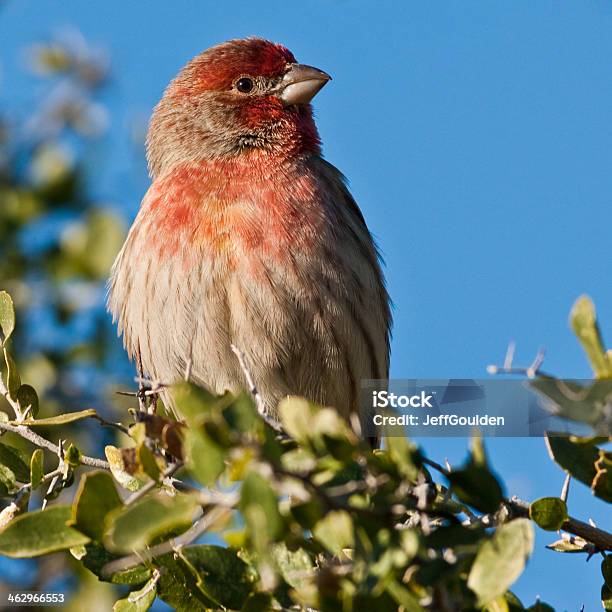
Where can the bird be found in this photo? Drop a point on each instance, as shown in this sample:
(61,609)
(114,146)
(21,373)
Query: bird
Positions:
(248,237)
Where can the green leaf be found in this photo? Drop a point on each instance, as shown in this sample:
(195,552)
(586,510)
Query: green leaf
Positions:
(401,452)
(407,601)
(72,456)
(500,560)
(606,570)
(136,526)
(218,575)
(117,467)
(205,458)
(581,403)
(95,498)
(296,567)
(147,460)
(499,604)
(61,419)
(27,397)
(14,459)
(194,402)
(138,601)
(606,597)
(7,481)
(584,323)
(549,513)
(40,532)
(584,461)
(335,531)
(257,492)
(476,486)
(97,557)
(7,316)
(308,423)
(13,381)
(37,468)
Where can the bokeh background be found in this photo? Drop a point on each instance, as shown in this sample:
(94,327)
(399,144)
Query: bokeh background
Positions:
(477,138)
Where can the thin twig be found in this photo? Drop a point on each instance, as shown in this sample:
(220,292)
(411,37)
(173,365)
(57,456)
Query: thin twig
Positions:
(174,544)
(34,438)
(531,371)
(261,408)
(45,478)
(151,484)
(14,404)
(142,401)
(600,538)
(566,486)
(120,426)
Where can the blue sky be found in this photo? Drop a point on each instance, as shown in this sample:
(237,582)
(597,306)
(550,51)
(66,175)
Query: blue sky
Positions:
(477,138)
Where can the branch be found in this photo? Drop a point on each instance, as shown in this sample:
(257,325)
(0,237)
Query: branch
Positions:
(151,484)
(202,525)
(34,438)
(602,539)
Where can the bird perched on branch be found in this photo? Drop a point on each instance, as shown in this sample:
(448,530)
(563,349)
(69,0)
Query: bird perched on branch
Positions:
(247,236)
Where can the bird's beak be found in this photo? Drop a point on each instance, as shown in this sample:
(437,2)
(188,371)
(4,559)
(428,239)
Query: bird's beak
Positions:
(301,84)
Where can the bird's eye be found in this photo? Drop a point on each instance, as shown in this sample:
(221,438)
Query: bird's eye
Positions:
(245,85)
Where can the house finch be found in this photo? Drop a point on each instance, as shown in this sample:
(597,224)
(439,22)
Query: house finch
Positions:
(247,236)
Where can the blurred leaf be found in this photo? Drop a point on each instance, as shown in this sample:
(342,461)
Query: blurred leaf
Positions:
(500,560)
(61,419)
(584,323)
(27,396)
(296,567)
(16,460)
(219,577)
(476,486)
(7,316)
(96,496)
(194,402)
(40,532)
(147,460)
(138,601)
(97,557)
(205,459)
(549,513)
(584,461)
(257,492)
(584,404)
(606,570)
(7,481)
(308,423)
(335,531)
(13,382)
(514,603)
(499,604)
(136,526)
(37,468)
(117,466)
(402,452)
(407,601)
(606,597)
